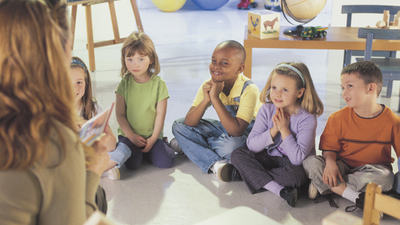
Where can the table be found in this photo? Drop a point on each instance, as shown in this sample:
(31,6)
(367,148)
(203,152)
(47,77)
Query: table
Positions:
(338,38)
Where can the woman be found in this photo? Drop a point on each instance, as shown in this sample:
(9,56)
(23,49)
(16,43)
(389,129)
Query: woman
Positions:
(47,176)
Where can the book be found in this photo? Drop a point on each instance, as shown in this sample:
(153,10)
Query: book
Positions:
(95,127)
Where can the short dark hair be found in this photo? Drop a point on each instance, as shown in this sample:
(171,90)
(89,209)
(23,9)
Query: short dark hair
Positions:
(235,45)
(367,71)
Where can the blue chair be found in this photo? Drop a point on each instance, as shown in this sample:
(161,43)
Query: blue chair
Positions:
(390,67)
(369,9)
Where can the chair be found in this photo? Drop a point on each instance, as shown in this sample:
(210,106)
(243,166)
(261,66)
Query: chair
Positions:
(376,202)
(390,67)
(369,9)
(89,27)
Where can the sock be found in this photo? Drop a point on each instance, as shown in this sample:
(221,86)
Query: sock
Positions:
(274,187)
(350,194)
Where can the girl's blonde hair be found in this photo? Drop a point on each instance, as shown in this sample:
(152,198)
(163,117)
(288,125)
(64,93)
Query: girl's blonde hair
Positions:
(139,42)
(88,103)
(35,87)
(310,100)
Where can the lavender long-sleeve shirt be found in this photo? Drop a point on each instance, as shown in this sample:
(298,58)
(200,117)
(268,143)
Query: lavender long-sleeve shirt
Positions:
(297,146)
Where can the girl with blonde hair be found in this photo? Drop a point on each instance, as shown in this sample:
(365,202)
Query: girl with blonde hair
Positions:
(141,106)
(47,176)
(283,134)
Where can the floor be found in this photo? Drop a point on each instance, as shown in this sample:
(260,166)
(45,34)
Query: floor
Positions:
(184,42)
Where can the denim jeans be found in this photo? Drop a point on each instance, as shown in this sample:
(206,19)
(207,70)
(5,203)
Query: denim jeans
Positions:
(208,142)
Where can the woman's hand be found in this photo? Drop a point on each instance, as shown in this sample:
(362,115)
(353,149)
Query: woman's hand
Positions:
(101,159)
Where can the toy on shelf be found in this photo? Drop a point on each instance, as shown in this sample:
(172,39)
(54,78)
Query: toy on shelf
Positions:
(273,5)
(263,24)
(312,32)
(386,24)
(247,4)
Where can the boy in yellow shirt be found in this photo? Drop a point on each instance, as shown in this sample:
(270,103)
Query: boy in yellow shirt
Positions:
(208,142)
(357,140)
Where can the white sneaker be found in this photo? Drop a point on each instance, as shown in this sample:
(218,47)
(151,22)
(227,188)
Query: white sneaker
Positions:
(113,173)
(223,170)
(312,191)
(175,146)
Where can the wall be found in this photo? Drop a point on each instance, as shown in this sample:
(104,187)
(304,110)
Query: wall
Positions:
(339,19)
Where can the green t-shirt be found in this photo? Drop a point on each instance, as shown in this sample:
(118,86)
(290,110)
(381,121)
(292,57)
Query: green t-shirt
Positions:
(141,103)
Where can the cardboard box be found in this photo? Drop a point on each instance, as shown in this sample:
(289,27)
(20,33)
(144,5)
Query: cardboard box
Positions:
(263,24)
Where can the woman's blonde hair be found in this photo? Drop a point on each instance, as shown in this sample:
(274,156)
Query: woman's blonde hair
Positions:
(310,100)
(139,42)
(88,103)
(35,87)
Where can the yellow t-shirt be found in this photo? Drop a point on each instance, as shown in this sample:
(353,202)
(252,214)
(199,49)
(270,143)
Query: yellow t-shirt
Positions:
(249,100)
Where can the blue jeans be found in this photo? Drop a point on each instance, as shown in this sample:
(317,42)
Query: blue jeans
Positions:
(208,142)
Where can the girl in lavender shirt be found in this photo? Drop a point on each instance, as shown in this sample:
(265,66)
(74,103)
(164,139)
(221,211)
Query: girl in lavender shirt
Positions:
(283,134)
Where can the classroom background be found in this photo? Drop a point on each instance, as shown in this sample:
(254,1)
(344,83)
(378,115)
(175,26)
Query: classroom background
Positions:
(185,40)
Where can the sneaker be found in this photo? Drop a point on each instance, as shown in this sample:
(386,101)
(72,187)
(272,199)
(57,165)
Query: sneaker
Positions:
(236,175)
(313,191)
(113,173)
(223,171)
(291,195)
(175,146)
(359,203)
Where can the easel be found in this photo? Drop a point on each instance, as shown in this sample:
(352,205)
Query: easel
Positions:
(89,26)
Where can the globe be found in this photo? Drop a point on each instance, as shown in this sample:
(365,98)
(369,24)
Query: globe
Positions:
(301,11)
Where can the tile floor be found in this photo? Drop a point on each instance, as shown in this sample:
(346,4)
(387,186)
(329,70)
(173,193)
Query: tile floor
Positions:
(184,41)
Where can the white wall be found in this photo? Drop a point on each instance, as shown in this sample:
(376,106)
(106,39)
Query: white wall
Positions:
(339,19)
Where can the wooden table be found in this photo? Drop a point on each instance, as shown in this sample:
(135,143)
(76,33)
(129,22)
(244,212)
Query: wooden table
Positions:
(338,38)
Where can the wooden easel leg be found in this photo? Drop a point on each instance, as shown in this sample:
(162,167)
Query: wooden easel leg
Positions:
(73,23)
(137,16)
(117,38)
(89,29)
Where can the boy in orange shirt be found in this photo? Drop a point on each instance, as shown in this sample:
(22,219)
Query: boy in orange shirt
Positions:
(357,140)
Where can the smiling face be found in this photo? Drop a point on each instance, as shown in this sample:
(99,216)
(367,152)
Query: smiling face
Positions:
(284,93)
(138,64)
(78,76)
(226,64)
(355,91)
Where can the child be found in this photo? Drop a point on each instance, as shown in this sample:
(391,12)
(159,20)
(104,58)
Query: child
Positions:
(357,140)
(207,142)
(283,134)
(47,175)
(141,105)
(88,107)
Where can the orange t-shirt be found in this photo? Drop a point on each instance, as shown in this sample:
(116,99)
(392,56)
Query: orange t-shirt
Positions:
(360,141)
